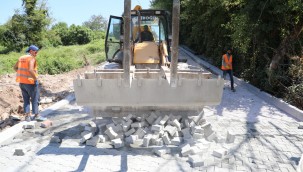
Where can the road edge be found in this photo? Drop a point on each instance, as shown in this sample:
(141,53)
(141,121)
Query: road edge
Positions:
(279,103)
(7,135)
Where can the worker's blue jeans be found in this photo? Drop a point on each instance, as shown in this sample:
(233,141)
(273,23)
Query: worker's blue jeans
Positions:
(230,73)
(30,93)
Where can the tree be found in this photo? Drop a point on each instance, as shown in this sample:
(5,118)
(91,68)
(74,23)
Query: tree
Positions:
(27,28)
(96,23)
(266,36)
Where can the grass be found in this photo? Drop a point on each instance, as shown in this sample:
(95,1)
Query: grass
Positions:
(60,59)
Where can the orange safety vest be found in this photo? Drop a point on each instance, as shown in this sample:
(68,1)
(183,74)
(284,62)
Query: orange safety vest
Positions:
(227,62)
(23,75)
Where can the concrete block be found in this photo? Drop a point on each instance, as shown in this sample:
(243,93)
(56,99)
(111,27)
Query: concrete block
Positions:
(206,125)
(138,143)
(29,125)
(197,129)
(55,139)
(136,125)
(93,141)
(128,117)
(192,124)
(114,127)
(170,129)
(186,133)
(178,117)
(118,128)
(102,138)
(120,135)
(211,137)
(111,125)
(117,143)
(21,151)
(141,118)
(178,134)
(159,142)
(144,124)
(196,150)
(230,138)
(46,124)
(154,137)
(86,135)
(177,124)
(102,128)
(92,124)
(158,120)
(131,139)
(111,133)
(198,136)
(127,125)
(207,129)
(161,151)
(219,153)
(140,133)
(186,123)
(129,132)
(197,118)
(164,119)
(166,139)
(117,121)
(196,161)
(202,121)
(186,150)
(156,127)
(161,133)
(81,127)
(146,140)
(176,141)
(88,128)
(151,118)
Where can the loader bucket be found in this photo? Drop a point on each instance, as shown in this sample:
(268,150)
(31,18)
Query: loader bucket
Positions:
(148,90)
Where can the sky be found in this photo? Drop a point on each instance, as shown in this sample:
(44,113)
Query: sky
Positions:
(72,11)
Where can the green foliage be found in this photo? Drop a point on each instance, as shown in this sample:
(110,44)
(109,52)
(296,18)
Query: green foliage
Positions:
(259,32)
(294,93)
(27,28)
(7,62)
(61,59)
(73,35)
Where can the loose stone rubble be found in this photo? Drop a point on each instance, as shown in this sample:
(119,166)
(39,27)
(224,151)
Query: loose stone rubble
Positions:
(193,136)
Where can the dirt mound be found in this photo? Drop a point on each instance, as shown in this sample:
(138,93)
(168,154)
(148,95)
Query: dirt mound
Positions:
(53,88)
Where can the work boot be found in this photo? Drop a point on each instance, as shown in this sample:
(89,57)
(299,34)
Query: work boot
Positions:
(28,118)
(40,118)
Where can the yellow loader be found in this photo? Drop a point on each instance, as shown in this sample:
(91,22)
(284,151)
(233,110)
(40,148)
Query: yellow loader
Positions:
(143,75)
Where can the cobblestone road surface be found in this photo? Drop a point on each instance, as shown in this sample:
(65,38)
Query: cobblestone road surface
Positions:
(267,139)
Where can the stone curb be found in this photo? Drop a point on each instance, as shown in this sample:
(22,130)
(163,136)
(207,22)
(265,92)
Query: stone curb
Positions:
(7,135)
(279,103)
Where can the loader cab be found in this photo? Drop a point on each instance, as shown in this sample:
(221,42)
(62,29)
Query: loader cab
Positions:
(144,53)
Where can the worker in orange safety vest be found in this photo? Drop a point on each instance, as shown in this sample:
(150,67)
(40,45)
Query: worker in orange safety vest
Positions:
(227,67)
(27,76)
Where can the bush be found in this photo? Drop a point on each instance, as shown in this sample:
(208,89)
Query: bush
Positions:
(57,60)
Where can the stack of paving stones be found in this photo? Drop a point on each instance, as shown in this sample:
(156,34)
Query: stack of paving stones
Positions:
(193,136)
